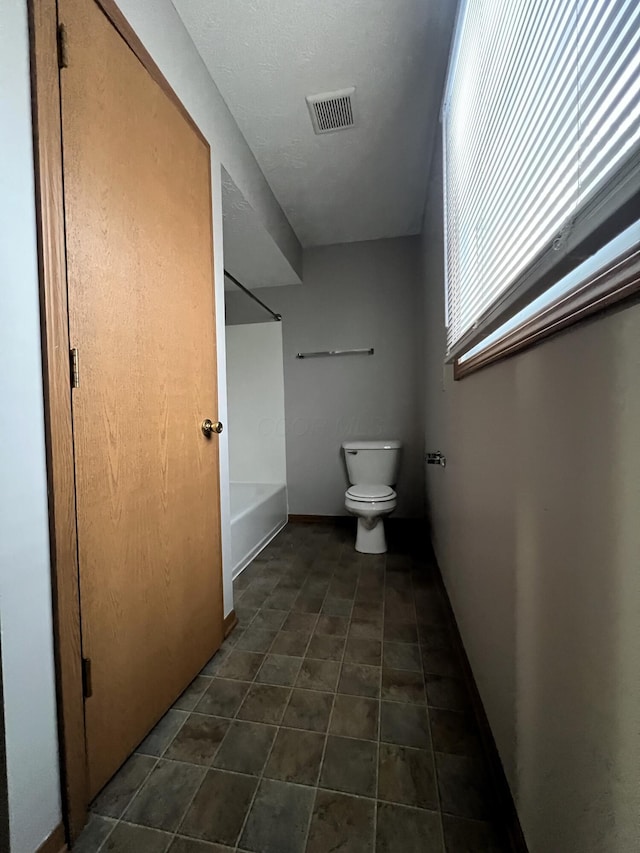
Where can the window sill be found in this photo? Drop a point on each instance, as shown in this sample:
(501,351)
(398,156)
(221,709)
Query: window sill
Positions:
(619,282)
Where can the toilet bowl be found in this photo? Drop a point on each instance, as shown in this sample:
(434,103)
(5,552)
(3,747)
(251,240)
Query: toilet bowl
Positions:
(372,467)
(370,504)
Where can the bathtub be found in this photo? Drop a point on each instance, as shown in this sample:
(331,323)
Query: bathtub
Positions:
(258,512)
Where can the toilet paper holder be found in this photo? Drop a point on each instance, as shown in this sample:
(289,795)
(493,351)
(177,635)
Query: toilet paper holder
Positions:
(436,458)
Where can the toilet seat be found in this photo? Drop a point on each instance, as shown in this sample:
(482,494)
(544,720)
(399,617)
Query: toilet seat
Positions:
(370,503)
(370,493)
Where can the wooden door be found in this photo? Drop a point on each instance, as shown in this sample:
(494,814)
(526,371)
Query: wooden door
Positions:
(137,195)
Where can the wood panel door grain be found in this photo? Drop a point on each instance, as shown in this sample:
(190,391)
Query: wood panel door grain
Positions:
(137,193)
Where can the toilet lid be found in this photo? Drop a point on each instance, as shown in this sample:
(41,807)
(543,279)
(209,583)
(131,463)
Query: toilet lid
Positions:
(370,493)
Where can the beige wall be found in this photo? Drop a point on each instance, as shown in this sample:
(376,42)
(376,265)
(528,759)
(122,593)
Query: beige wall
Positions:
(536,523)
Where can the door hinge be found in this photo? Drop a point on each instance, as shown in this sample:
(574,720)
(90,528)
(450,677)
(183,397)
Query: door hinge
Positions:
(75,367)
(87,687)
(63,56)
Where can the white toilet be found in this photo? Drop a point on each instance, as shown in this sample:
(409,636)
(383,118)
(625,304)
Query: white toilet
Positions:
(373,469)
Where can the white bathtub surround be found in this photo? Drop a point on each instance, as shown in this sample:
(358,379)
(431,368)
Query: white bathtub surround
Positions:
(257,452)
(258,512)
(255,391)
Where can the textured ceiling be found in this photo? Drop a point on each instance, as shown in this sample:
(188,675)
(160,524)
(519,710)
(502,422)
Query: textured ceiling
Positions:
(250,253)
(267,55)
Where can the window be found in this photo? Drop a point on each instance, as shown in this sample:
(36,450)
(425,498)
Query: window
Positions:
(541,131)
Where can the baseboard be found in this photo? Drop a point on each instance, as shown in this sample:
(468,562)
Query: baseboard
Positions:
(351,519)
(54,843)
(230,622)
(320,519)
(507,813)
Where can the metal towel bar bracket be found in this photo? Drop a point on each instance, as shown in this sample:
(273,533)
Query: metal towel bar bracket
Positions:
(323,353)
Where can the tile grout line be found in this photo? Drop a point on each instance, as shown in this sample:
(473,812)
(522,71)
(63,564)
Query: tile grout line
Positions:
(206,768)
(158,759)
(204,775)
(235,718)
(266,761)
(129,802)
(384,618)
(290,728)
(107,836)
(434,765)
(333,702)
(261,776)
(217,750)
(304,787)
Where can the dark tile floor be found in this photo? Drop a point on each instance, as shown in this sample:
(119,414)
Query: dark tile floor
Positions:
(334,718)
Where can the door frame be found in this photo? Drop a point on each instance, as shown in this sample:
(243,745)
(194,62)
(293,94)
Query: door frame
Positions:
(54,319)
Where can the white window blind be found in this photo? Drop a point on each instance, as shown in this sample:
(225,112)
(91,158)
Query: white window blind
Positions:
(541,124)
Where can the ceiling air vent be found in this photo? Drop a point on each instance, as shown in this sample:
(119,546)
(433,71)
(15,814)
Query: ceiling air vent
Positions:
(331,110)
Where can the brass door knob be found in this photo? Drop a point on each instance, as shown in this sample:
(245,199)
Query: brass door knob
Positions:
(209,427)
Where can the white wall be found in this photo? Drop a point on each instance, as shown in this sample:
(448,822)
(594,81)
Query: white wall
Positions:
(162,32)
(353,295)
(25,606)
(535,523)
(4,794)
(25,587)
(255,393)
(250,252)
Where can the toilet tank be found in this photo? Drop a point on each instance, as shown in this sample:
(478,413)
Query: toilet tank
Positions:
(372,462)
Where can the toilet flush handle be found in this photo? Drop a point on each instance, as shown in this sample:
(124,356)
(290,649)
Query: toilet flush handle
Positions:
(352,452)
